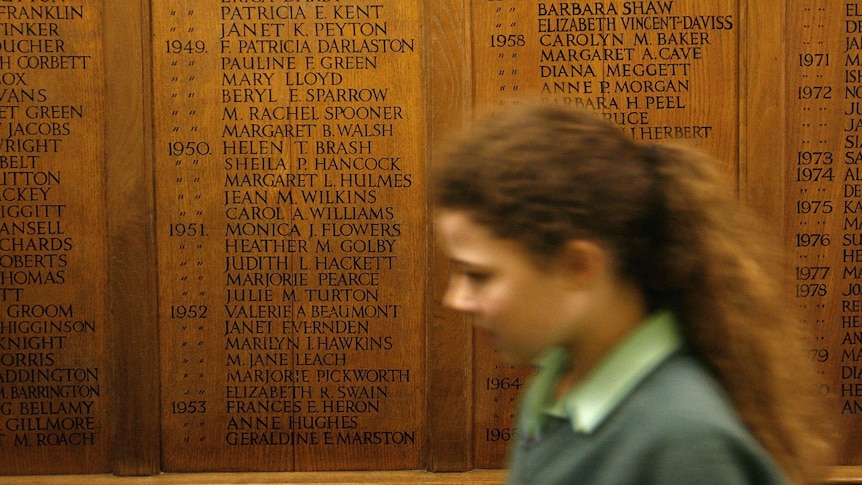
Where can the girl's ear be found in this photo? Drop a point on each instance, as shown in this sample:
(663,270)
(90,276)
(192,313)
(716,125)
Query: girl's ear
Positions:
(584,261)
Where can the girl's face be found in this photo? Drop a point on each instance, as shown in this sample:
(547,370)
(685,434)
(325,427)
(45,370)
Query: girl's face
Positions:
(522,309)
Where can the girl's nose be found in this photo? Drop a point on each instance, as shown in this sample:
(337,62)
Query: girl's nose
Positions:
(458,295)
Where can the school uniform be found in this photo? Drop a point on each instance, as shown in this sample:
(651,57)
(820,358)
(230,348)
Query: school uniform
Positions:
(649,414)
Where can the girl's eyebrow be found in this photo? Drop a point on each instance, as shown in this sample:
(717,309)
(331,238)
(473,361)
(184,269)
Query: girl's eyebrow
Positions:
(462,263)
(458,264)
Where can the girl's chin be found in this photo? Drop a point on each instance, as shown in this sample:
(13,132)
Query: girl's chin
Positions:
(486,338)
(506,354)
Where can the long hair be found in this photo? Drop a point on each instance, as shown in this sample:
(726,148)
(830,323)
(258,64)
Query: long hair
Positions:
(542,175)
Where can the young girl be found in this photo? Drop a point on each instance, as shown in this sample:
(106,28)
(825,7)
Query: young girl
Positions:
(644,293)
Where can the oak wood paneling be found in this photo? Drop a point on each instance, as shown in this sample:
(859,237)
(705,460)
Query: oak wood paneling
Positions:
(187,110)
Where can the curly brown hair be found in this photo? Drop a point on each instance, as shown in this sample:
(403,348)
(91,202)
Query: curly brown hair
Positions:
(543,174)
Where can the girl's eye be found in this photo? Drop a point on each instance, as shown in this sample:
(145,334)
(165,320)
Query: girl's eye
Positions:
(476,276)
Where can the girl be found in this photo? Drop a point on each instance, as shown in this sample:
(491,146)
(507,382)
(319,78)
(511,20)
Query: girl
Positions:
(645,294)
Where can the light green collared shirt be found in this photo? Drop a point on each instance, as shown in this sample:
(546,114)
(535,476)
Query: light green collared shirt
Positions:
(591,400)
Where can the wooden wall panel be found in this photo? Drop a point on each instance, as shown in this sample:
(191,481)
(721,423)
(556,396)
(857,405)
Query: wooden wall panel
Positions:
(665,71)
(55,376)
(291,229)
(823,204)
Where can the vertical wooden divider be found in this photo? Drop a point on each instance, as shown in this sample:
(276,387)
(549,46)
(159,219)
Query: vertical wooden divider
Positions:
(449,341)
(132,268)
(762,108)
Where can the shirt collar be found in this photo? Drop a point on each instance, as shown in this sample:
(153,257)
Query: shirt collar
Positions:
(590,401)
